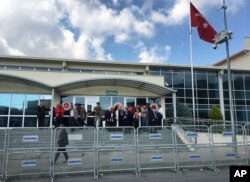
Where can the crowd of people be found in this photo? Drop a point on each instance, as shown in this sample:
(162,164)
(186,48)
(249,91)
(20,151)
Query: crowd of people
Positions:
(77,115)
(144,115)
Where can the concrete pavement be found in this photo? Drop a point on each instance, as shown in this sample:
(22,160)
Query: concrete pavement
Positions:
(198,175)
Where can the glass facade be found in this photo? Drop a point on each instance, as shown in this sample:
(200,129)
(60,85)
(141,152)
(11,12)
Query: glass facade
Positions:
(20,110)
(206,91)
(107,101)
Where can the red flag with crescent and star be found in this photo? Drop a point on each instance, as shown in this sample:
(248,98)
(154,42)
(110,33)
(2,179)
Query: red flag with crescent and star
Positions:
(205,30)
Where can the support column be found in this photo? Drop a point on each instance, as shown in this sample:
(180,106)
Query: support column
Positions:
(51,106)
(163,106)
(221,94)
(174,106)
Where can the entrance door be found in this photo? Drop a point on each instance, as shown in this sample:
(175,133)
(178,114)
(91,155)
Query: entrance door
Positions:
(79,100)
(141,101)
(130,101)
(91,103)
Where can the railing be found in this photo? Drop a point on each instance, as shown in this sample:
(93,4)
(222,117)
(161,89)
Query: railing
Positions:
(32,151)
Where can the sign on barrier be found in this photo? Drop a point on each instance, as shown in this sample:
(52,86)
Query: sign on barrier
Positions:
(193,146)
(155,150)
(77,144)
(116,149)
(30,138)
(228,145)
(29,163)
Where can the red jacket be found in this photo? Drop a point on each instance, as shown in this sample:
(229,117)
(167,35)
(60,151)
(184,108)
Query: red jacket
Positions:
(59,111)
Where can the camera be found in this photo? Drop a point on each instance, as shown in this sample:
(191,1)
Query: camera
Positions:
(215,46)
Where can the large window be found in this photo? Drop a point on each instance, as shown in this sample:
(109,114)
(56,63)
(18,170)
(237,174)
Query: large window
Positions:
(20,110)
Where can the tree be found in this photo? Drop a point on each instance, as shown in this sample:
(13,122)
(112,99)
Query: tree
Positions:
(215,113)
(181,111)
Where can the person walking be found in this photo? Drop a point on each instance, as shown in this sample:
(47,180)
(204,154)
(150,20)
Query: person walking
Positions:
(62,142)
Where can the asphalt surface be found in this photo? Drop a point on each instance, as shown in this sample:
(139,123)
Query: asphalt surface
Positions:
(191,175)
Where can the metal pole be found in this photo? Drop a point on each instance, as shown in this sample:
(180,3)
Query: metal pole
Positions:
(51,107)
(224,7)
(192,67)
(174,106)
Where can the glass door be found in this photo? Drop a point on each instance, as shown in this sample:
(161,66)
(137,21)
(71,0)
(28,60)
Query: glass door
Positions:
(130,101)
(91,103)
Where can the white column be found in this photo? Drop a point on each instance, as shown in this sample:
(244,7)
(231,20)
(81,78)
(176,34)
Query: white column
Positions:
(221,94)
(51,106)
(174,105)
(163,106)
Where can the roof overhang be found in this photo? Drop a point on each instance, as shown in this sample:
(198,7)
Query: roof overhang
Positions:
(137,84)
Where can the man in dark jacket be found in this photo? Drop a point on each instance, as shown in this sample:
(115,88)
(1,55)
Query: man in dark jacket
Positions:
(41,112)
(152,117)
(62,142)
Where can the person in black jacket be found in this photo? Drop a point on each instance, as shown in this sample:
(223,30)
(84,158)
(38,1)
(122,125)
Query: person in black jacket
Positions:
(62,142)
(152,117)
(41,112)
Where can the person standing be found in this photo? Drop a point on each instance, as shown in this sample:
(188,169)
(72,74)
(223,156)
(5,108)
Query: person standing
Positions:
(152,117)
(62,142)
(97,116)
(143,115)
(59,112)
(73,116)
(83,115)
(41,112)
(136,118)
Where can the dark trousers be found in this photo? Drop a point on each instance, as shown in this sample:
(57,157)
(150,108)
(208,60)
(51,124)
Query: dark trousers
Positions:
(40,122)
(59,151)
(59,121)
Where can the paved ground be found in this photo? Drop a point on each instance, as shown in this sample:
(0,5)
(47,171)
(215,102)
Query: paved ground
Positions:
(154,176)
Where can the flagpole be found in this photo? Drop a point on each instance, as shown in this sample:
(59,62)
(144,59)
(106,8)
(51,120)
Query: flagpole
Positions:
(224,7)
(191,65)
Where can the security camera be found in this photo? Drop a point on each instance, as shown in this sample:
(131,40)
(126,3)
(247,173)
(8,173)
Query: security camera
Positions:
(215,46)
(166,84)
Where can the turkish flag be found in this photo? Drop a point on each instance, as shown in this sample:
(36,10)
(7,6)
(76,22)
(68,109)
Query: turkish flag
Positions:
(205,30)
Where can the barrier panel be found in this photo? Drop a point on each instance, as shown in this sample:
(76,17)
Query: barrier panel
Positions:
(79,146)
(2,152)
(193,146)
(228,145)
(247,140)
(155,148)
(116,149)
(29,151)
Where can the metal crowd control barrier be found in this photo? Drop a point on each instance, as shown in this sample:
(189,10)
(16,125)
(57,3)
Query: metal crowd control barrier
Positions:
(193,146)
(155,148)
(228,145)
(29,152)
(116,149)
(80,150)
(3,137)
(247,136)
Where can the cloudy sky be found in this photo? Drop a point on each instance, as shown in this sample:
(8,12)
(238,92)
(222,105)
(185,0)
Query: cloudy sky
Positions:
(154,31)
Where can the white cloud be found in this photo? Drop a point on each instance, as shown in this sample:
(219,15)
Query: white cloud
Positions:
(120,38)
(35,27)
(5,49)
(155,54)
(177,13)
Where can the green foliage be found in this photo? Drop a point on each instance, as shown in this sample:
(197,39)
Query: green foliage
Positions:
(215,113)
(181,111)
